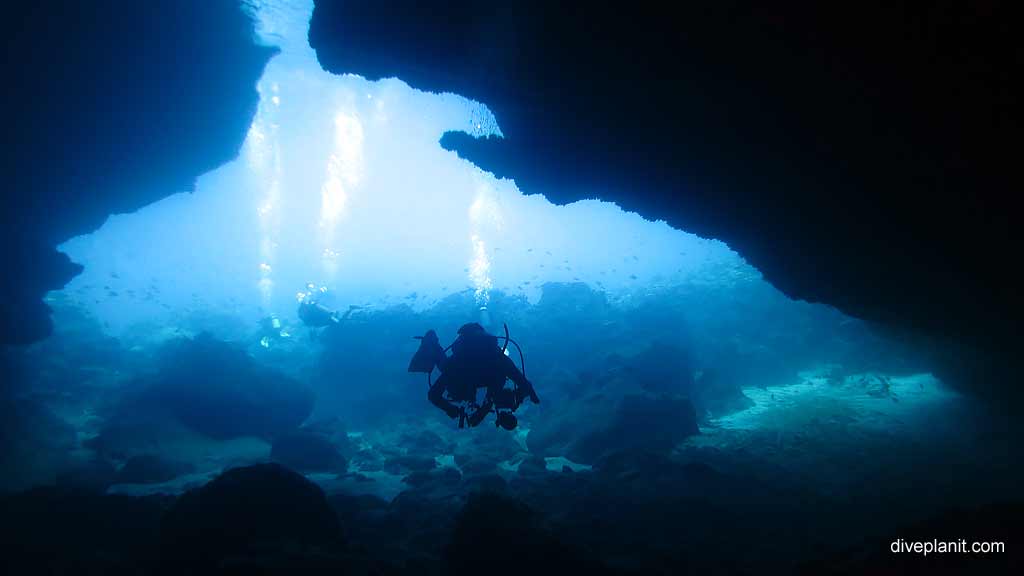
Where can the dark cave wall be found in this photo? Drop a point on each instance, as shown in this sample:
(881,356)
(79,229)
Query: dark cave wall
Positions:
(858,154)
(111,105)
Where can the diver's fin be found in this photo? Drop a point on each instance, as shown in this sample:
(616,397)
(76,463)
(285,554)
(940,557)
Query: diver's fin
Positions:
(426,357)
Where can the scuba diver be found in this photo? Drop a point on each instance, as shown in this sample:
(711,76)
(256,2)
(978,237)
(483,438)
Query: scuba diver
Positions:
(316,315)
(477,361)
(271,331)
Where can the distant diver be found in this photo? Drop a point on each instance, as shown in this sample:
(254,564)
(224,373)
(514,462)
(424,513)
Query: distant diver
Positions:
(477,361)
(318,317)
(271,331)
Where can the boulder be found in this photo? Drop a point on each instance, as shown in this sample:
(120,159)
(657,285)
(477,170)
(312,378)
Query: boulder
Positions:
(218,390)
(668,369)
(651,423)
(251,517)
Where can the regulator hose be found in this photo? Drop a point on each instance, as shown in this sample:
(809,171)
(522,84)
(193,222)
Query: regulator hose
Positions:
(522,360)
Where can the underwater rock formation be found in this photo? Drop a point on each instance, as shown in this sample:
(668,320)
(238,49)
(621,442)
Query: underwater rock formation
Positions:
(202,387)
(120,104)
(667,369)
(260,517)
(61,531)
(652,423)
(638,512)
(33,440)
(218,390)
(599,425)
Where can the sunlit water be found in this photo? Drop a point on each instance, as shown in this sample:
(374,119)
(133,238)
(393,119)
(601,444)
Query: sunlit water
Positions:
(341,184)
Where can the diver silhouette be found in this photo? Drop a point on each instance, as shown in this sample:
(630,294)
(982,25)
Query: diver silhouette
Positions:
(316,315)
(271,331)
(477,361)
